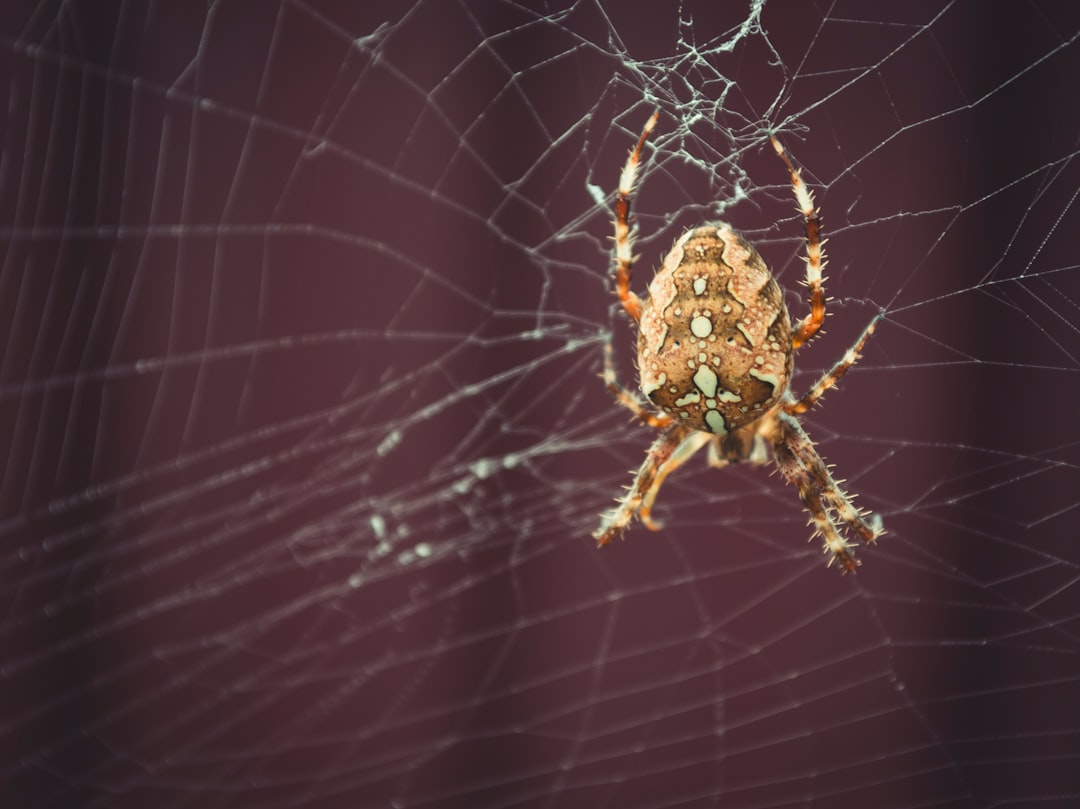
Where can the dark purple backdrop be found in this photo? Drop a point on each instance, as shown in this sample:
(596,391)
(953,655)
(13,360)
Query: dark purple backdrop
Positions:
(304,441)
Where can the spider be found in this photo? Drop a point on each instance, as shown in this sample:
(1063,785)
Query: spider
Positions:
(715,357)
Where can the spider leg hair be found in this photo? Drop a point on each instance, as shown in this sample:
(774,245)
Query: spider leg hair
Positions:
(801,465)
(691,444)
(613,523)
(833,376)
(624,233)
(815,252)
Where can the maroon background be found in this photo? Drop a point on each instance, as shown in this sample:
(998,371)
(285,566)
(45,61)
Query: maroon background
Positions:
(243,247)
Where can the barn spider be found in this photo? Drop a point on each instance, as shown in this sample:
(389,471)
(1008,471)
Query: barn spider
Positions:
(715,356)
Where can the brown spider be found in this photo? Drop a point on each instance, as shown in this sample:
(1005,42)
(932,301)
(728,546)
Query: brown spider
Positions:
(715,356)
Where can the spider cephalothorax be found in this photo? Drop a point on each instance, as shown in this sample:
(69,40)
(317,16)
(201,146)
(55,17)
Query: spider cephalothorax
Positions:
(716,350)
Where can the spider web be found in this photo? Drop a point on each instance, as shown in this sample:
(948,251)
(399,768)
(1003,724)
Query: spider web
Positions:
(303,314)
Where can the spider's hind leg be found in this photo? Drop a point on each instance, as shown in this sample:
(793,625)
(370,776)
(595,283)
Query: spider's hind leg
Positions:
(815,252)
(624,233)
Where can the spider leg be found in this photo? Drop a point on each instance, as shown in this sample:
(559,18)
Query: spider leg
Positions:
(801,465)
(832,377)
(691,444)
(626,397)
(815,253)
(624,235)
(662,449)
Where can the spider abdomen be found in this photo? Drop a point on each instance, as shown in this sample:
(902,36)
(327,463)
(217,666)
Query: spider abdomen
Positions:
(714,341)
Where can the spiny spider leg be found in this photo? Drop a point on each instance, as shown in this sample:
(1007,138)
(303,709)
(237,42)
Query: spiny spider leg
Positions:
(618,518)
(800,464)
(624,234)
(815,253)
(833,376)
(691,444)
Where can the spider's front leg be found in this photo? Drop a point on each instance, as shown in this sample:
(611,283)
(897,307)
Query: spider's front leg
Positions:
(648,480)
(799,462)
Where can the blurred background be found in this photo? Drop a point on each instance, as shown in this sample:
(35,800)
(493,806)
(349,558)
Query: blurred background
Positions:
(303,306)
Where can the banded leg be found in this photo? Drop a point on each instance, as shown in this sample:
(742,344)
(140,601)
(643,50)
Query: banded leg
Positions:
(618,518)
(801,465)
(624,236)
(832,377)
(815,253)
(691,444)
